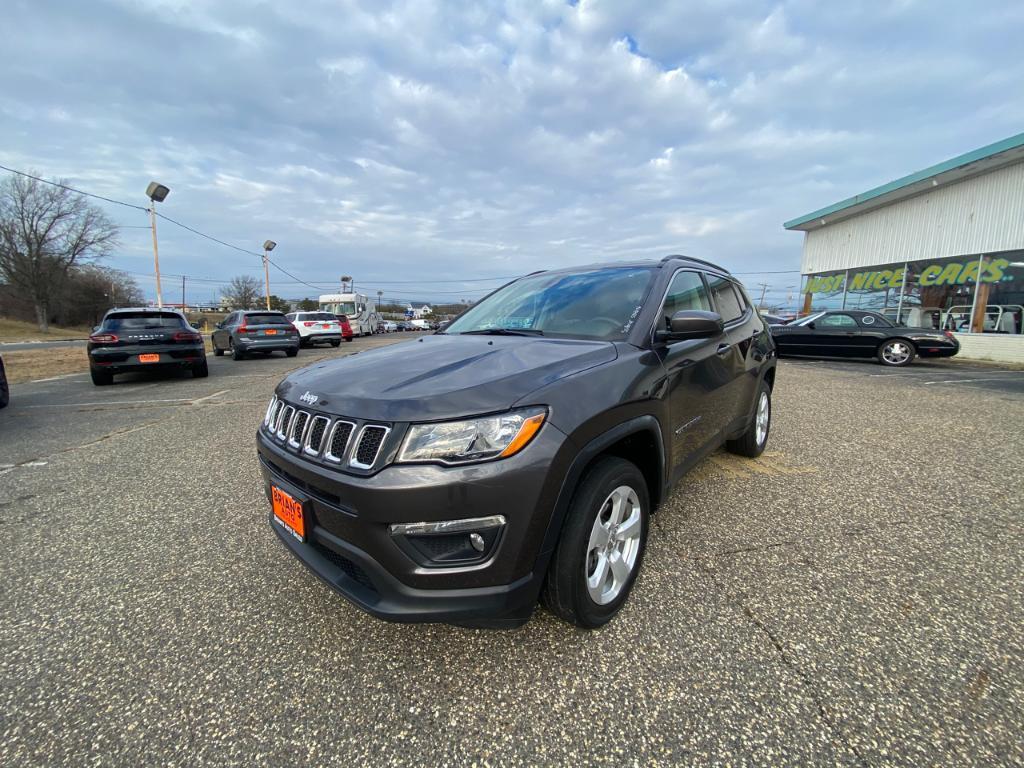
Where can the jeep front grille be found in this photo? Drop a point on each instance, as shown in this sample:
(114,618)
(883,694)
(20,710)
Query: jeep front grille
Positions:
(335,441)
(370,441)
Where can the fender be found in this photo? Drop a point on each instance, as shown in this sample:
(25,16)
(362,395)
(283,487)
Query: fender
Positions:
(589,451)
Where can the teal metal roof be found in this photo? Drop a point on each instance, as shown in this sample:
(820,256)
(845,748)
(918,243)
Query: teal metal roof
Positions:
(984,153)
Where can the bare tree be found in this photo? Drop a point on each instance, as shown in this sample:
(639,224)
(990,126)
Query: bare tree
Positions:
(44,232)
(243,292)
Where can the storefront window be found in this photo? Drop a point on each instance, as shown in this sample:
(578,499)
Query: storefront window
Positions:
(937,293)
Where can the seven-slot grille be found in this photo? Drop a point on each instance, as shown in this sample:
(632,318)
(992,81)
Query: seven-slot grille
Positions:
(319,436)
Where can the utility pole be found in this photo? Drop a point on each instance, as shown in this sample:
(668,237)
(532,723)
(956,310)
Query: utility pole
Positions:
(156,193)
(182,294)
(268,246)
(764,290)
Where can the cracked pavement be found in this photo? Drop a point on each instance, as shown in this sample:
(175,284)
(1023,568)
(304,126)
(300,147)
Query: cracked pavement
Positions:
(852,597)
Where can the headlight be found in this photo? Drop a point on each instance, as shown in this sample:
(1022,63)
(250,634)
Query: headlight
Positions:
(461,442)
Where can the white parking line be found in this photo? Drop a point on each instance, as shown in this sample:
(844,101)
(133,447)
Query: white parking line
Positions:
(960,381)
(210,397)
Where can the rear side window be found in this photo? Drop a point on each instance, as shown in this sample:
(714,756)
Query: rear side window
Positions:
(729,305)
(124,321)
(686,291)
(268,318)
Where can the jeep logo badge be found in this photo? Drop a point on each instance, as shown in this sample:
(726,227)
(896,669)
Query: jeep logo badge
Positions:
(309,398)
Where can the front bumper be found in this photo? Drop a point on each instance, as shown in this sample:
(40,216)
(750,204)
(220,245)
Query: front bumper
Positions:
(349,546)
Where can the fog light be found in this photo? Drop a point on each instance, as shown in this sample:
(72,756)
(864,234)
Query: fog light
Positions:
(449,543)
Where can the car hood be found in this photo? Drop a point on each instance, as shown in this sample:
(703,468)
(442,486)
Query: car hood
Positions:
(441,376)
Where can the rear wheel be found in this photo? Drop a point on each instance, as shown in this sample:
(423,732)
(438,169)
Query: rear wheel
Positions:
(292,352)
(200,370)
(602,545)
(349,338)
(336,343)
(5,392)
(101,378)
(896,352)
(752,442)
(236,353)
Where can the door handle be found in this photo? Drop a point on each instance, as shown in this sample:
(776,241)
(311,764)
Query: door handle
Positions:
(723,348)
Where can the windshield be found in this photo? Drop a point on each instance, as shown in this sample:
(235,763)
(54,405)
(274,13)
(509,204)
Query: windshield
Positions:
(124,321)
(268,318)
(808,319)
(596,304)
(339,307)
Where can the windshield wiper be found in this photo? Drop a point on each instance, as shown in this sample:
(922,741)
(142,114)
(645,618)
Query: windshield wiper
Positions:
(505,332)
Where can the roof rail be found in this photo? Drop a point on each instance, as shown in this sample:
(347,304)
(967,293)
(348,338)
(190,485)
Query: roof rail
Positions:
(699,261)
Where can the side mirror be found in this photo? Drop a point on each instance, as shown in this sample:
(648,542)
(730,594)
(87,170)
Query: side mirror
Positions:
(692,324)
(809,325)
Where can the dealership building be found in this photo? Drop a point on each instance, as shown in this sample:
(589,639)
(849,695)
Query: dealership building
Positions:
(940,248)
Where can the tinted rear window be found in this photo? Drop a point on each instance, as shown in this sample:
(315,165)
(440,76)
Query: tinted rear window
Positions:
(316,316)
(268,318)
(130,320)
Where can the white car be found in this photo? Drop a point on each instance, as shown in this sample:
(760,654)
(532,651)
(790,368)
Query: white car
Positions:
(389,326)
(316,328)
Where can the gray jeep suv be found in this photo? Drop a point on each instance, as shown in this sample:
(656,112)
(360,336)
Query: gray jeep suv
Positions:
(521,452)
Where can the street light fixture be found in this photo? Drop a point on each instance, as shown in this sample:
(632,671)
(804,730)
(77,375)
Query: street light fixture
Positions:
(379,294)
(268,246)
(156,193)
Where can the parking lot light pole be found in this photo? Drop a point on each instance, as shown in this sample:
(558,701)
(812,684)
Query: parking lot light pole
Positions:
(268,246)
(156,193)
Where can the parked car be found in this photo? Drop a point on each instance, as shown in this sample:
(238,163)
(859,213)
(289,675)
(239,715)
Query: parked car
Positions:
(144,338)
(521,452)
(246,331)
(317,328)
(5,391)
(389,326)
(774,319)
(856,333)
(404,326)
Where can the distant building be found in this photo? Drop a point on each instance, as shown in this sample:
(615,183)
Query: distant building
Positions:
(417,311)
(940,248)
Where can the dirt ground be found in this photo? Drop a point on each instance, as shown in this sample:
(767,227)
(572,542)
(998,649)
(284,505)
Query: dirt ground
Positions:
(16,330)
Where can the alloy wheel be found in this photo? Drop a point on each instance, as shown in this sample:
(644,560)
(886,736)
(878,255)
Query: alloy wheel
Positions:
(761,420)
(614,545)
(896,352)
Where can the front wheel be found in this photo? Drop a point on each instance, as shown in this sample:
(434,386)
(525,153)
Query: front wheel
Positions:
(236,353)
(602,545)
(217,351)
(896,352)
(752,442)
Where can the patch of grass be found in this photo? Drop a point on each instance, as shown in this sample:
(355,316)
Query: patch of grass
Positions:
(17,330)
(32,364)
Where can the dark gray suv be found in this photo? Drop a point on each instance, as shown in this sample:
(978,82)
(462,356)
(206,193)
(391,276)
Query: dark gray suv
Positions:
(248,331)
(520,453)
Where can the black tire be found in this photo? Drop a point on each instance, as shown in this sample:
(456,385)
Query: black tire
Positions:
(200,370)
(336,344)
(349,338)
(5,391)
(236,353)
(565,592)
(101,378)
(292,352)
(896,353)
(748,443)
(217,351)
(303,343)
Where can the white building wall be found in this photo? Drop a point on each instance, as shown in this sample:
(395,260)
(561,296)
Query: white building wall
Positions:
(995,347)
(980,215)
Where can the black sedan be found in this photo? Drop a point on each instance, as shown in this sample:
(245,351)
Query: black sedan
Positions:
(855,333)
(144,338)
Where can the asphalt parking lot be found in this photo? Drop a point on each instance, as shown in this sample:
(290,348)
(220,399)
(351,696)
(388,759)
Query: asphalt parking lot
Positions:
(855,596)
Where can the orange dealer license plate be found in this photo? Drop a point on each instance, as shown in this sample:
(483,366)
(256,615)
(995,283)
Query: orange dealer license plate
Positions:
(271,332)
(288,513)
(149,358)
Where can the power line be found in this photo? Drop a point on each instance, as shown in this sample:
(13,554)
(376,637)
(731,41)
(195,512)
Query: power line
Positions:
(72,189)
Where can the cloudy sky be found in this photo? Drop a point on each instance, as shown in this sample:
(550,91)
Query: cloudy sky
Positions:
(416,141)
